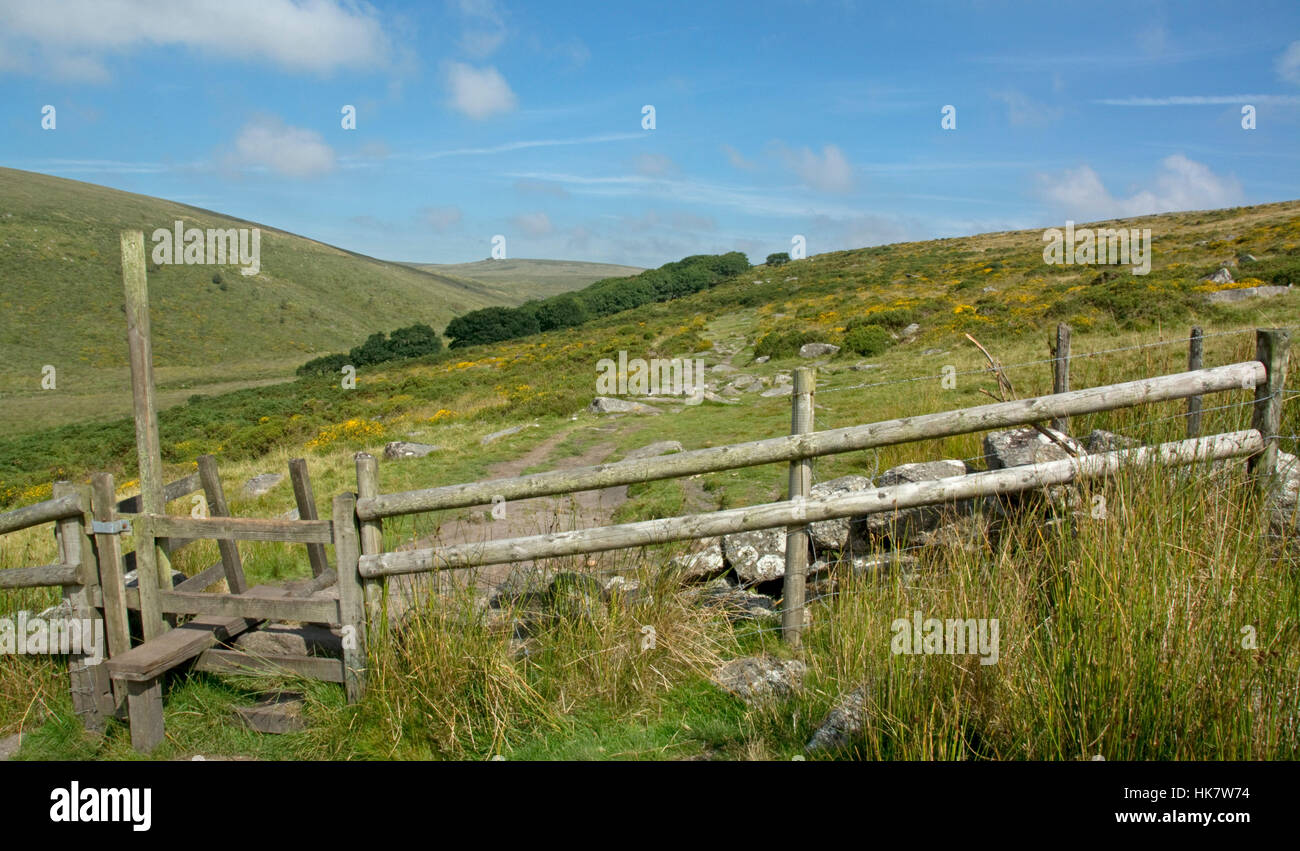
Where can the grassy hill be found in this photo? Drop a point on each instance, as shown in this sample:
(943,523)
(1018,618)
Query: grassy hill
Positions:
(61,301)
(511,278)
(1120,635)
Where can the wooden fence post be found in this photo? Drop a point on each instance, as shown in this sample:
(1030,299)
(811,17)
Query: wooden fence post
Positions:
(1270,350)
(92,691)
(153,572)
(372,540)
(306,501)
(108,550)
(352,608)
(231,563)
(1195,357)
(796,537)
(1061,371)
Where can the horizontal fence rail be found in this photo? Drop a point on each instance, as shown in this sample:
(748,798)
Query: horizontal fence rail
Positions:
(237,528)
(772,515)
(59,508)
(37,577)
(171,491)
(1239,376)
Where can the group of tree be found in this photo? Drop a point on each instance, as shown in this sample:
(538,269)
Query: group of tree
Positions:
(607,296)
(413,341)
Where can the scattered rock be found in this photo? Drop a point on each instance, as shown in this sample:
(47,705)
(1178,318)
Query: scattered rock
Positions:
(1018,447)
(901,526)
(763,359)
(1100,440)
(654,450)
(284,640)
(9,746)
(756,556)
(834,534)
(259,485)
(778,390)
(738,603)
(281,714)
(935,352)
(909,333)
(723,368)
(402,449)
(759,678)
(505,432)
(705,564)
(1243,293)
(842,724)
(870,565)
(1223,276)
(718,400)
(817,350)
(864,367)
(744,380)
(607,405)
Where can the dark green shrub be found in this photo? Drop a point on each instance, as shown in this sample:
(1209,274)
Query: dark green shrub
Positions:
(867,340)
(783,344)
(778,259)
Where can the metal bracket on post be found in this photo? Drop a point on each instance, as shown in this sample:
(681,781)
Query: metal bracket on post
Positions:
(110,527)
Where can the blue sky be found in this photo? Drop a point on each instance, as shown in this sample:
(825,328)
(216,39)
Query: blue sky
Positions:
(483,117)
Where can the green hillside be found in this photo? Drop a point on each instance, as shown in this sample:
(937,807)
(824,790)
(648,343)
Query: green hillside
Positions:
(60,301)
(1120,630)
(519,279)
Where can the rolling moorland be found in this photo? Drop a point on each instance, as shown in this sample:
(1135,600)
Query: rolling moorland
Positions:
(1120,637)
(215,329)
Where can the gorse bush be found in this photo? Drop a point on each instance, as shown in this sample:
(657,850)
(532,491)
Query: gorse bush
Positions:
(867,340)
(783,344)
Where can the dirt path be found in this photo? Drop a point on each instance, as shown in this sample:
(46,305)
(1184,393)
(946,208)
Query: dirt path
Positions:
(517,518)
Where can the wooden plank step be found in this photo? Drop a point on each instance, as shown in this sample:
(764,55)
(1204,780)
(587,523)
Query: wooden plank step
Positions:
(237,662)
(153,658)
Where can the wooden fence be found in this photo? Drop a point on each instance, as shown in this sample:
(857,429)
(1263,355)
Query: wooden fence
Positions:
(89,521)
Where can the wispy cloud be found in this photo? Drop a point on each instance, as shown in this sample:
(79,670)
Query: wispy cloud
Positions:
(828,171)
(1198,100)
(268,143)
(506,147)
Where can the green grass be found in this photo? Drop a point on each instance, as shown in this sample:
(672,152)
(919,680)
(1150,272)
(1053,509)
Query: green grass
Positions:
(1120,637)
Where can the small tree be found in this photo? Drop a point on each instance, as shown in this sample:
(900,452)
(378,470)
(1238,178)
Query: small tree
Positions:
(778,259)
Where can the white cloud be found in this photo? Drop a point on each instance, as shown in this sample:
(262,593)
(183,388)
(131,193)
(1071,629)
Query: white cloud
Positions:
(1180,184)
(1288,64)
(829,172)
(533,224)
(290,151)
(72,39)
(541,187)
(440,218)
(478,92)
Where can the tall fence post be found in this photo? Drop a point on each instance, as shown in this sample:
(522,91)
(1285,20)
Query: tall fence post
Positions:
(153,571)
(352,605)
(796,537)
(1270,350)
(1061,371)
(372,538)
(1195,358)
